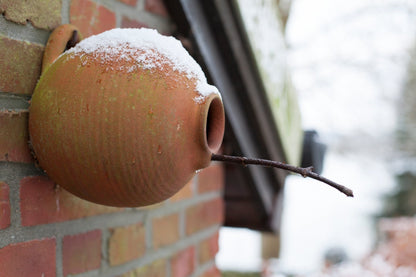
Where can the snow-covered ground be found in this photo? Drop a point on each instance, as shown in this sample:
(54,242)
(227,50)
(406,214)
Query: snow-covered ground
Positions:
(348,62)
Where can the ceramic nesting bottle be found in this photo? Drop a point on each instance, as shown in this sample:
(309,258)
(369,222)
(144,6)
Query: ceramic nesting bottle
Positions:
(124,118)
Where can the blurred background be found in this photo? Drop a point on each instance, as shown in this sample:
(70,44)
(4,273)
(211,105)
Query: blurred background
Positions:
(353,65)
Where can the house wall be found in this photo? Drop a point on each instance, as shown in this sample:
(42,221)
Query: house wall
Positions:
(45,230)
(263,23)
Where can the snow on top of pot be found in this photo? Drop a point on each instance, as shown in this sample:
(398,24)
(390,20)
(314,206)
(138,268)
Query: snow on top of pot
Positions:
(156,50)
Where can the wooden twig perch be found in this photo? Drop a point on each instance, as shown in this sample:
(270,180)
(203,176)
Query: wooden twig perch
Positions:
(305,172)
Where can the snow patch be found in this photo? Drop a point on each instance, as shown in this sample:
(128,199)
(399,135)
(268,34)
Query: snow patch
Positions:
(149,50)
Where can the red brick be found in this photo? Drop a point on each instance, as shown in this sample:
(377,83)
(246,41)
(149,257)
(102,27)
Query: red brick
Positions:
(208,249)
(183,263)
(156,7)
(131,23)
(212,272)
(81,252)
(14,137)
(41,201)
(127,244)
(4,205)
(20,65)
(165,230)
(204,215)
(129,2)
(155,269)
(45,14)
(30,258)
(186,192)
(91,18)
(399,245)
(211,178)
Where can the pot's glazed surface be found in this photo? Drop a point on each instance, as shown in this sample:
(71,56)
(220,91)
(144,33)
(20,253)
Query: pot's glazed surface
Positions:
(127,122)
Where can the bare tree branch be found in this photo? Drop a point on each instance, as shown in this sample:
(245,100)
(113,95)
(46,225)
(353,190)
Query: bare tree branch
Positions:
(305,172)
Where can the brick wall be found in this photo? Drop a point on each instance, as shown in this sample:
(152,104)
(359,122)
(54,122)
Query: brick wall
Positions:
(46,231)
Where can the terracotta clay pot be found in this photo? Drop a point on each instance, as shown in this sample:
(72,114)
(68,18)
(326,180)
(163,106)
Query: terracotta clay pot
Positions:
(124,118)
